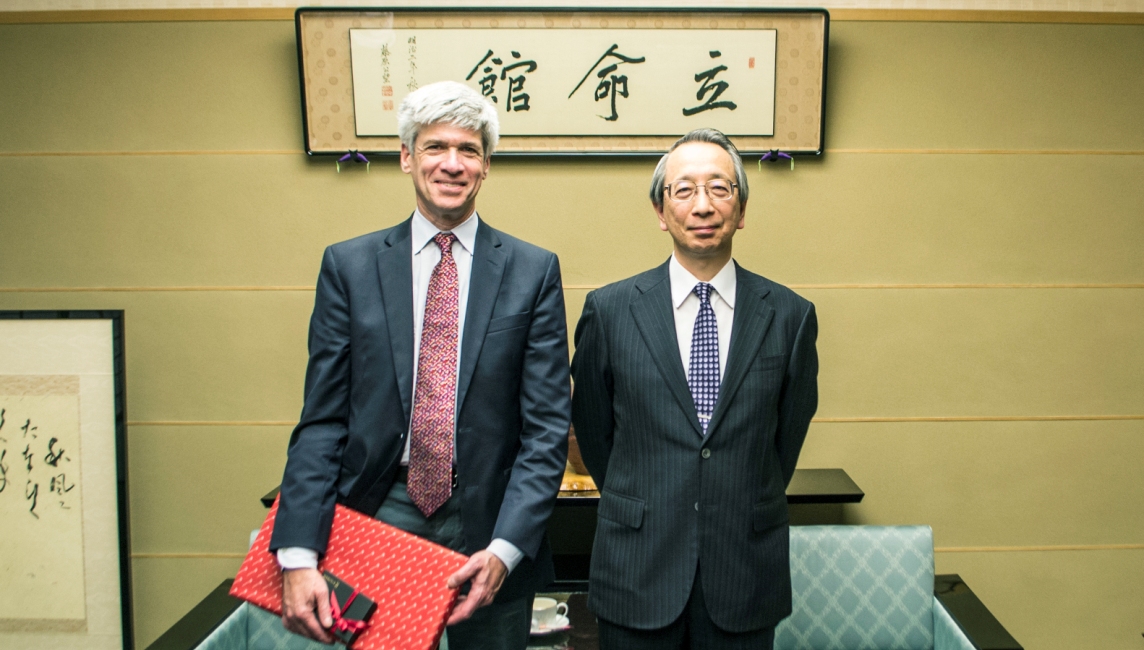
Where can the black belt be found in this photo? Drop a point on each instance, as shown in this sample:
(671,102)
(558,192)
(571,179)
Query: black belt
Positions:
(403,475)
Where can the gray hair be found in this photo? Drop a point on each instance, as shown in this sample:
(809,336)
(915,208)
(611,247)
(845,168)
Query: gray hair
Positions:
(700,135)
(448,102)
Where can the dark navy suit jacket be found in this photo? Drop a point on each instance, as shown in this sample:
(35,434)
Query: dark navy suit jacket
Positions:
(512,395)
(672,500)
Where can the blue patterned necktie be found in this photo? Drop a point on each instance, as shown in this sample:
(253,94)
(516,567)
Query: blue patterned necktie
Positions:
(703,378)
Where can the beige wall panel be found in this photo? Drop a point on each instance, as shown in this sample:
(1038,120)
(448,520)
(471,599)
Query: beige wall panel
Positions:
(197,489)
(985,86)
(167,588)
(1060,600)
(185,220)
(993,483)
(854,218)
(264,220)
(997,352)
(155,86)
(149,86)
(204,355)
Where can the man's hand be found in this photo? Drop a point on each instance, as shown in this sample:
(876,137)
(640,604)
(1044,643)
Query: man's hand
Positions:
(303,592)
(487,573)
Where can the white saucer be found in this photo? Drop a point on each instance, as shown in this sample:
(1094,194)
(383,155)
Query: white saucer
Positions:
(559,624)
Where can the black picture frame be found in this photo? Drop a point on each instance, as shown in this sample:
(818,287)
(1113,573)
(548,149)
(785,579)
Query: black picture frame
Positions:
(119,383)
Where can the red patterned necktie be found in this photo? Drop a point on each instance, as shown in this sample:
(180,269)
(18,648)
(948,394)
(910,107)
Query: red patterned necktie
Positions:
(431,446)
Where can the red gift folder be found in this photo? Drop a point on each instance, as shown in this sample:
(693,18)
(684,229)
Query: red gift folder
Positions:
(404,574)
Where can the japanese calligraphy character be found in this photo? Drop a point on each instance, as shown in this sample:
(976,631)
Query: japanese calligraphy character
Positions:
(517,99)
(32,493)
(53,457)
(610,84)
(715,89)
(3,470)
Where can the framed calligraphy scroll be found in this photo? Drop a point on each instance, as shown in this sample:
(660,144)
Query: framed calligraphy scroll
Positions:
(594,81)
(64,543)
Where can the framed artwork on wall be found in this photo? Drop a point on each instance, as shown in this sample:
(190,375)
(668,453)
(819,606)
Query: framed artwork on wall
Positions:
(592,81)
(64,536)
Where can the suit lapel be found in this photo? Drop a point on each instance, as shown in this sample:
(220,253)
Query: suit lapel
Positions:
(751,321)
(484,286)
(652,311)
(395,273)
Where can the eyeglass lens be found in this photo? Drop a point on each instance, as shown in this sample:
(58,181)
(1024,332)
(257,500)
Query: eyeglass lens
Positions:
(718,190)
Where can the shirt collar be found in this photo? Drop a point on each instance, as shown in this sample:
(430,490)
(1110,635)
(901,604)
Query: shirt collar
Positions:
(683,283)
(423,232)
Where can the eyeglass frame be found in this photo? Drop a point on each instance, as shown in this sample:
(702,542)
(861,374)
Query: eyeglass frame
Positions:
(671,195)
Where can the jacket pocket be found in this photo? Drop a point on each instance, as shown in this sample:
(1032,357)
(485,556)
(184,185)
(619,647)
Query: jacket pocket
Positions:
(770,513)
(762,364)
(620,509)
(508,322)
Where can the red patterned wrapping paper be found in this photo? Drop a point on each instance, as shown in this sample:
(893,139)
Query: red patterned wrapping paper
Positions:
(404,574)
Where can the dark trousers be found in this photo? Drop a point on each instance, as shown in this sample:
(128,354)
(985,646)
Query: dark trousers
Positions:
(693,630)
(498,626)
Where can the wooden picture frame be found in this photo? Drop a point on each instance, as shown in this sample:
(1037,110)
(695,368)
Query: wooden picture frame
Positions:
(356,65)
(65,541)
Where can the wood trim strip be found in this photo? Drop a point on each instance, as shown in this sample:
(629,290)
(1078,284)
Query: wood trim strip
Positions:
(987,16)
(576,287)
(145,289)
(1118,285)
(1028,549)
(188,556)
(937,549)
(838,420)
(979,418)
(844,15)
(997,152)
(294,152)
(212,423)
(188,152)
(145,15)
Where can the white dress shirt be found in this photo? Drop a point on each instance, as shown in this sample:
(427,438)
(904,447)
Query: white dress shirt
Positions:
(426,256)
(686,305)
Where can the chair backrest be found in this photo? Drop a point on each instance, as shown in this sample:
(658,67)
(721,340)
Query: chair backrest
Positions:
(860,588)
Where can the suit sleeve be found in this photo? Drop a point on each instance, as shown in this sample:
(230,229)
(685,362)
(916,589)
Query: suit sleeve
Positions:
(592,395)
(544,408)
(799,398)
(308,492)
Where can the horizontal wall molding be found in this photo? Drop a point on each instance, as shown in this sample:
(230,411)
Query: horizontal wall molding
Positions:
(937,549)
(590,287)
(173,152)
(977,418)
(212,423)
(188,556)
(1071,285)
(148,289)
(839,420)
(299,152)
(844,15)
(995,152)
(1033,549)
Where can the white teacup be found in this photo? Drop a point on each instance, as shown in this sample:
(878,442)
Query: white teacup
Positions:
(545,611)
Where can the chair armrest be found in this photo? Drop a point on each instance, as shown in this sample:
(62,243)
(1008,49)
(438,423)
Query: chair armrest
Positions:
(983,629)
(198,623)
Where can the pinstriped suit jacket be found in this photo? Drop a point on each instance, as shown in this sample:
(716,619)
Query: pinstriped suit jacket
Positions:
(670,499)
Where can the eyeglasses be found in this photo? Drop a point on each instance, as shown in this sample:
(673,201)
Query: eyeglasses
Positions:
(717,190)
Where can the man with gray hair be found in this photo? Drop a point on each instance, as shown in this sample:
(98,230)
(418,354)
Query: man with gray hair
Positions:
(437,391)
(695,385)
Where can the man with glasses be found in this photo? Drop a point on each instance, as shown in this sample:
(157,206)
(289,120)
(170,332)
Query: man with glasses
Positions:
(695,383)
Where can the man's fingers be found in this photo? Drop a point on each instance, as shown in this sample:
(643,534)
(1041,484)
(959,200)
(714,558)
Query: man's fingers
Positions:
(464,609)
(464,573)
(303,592)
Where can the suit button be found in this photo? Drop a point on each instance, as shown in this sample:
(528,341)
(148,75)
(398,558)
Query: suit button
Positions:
(696,506)
(706,453)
